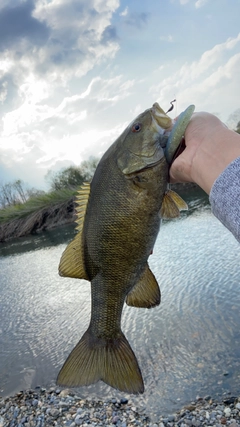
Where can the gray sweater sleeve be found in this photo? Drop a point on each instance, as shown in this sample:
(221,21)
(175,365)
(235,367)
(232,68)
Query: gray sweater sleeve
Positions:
(225,198)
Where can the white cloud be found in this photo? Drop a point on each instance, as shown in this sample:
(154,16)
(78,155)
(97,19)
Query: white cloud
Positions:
(124,12)
(206,81)
(67,132)
(67,90)
(79,36)
(3,92)
(200,3)
(78,146)
(39,76)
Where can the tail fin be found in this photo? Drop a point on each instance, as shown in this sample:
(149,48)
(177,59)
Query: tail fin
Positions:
(111,361)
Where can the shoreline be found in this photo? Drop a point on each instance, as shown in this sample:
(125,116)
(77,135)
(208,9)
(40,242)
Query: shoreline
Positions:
(56,407)
(38,221)
(58,214)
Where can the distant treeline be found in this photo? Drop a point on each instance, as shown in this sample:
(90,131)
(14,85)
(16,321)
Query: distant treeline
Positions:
(16,193)
(73,176)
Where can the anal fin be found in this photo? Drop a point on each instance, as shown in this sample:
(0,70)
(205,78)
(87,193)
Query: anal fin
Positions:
(146,292)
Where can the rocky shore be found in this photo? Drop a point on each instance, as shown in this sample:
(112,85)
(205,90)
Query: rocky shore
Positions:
(55,407)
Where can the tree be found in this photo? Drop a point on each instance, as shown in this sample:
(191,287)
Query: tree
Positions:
(72,176)
(88,167)
(18,187)
(7,197)
(33,192)
(69,177)
(13,193)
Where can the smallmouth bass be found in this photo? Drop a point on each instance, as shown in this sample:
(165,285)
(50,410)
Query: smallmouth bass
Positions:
(119,216)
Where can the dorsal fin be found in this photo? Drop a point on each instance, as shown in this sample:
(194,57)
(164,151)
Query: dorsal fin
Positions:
(72,261)
(146,292)
(172,205)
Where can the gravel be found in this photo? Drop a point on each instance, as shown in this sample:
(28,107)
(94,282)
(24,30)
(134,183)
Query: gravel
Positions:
(55,407)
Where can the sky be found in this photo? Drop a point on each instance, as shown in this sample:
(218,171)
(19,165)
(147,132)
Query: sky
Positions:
(75,73)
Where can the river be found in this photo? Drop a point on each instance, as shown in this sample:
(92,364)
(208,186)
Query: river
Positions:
(188,346)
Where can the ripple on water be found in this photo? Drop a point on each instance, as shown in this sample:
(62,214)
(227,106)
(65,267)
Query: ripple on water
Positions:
(184,347)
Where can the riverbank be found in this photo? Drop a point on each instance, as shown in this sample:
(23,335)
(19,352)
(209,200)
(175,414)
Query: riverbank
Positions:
(40,407)
(62,213)
(42,219)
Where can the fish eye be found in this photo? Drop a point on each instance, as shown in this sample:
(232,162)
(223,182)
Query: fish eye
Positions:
(136,127)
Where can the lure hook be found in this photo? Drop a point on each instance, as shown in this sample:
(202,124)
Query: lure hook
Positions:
(172,106)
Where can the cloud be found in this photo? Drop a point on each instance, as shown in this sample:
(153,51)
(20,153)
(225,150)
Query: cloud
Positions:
(200,3)
(54,43)
(18,26)
(109,34)
(68,83)
(46,48)
(207,81)
(46,135)
(57,40)
(3,91)
(124,12)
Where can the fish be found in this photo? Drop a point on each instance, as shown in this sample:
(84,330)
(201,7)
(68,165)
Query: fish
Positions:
(118,220)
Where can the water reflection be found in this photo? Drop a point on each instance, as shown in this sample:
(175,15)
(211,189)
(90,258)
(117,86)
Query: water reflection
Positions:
(189,345)
(45,239)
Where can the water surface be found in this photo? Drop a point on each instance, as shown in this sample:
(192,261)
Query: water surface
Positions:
(188,346)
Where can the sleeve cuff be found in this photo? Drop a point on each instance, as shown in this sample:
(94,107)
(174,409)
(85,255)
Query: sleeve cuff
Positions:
(225,197)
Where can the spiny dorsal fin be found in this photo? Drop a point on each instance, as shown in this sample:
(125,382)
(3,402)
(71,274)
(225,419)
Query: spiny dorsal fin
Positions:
(72,261)
(172,204)
(81,204)
(146,292)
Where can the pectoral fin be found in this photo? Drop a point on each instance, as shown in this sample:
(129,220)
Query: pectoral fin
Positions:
(72,261)
(146,292)
(172,205)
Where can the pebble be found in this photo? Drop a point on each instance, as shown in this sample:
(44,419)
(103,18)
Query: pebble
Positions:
(227,412)
(62,408)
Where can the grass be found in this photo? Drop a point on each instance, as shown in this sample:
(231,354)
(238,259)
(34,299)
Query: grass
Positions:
(35,204)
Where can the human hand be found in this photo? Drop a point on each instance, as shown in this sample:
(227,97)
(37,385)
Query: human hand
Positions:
(210,147)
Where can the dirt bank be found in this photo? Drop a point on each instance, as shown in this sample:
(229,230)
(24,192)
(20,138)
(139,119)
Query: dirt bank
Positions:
(61,213)
(45,218)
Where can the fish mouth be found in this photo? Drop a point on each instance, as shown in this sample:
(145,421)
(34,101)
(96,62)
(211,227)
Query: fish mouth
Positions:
(171,131)
(163,124)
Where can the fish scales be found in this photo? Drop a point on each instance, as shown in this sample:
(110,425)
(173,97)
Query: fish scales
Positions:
(122,220)
(117,245)
(119,220)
